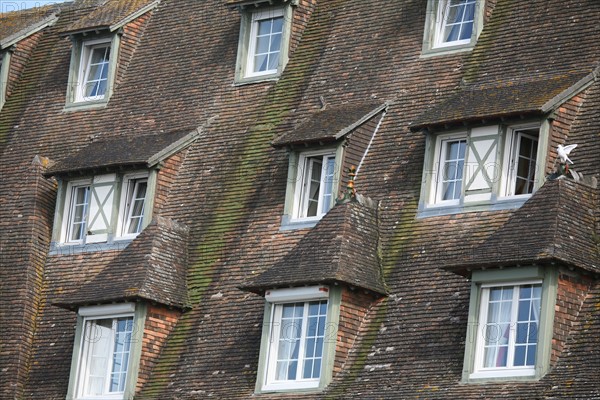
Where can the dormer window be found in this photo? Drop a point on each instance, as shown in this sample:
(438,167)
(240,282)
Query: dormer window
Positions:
(93,65)
(452,25)
(103,208)
(314,185)
(454,22)
(263,43)
(489,165)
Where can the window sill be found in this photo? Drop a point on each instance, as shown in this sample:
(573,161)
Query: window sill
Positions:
(507,203)
(85,105)
(288,224)
(256,79)
(446,50)
(63,249)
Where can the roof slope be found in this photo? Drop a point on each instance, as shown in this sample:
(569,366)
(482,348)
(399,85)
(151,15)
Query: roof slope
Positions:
(342,247)
(556,224)
(152,267)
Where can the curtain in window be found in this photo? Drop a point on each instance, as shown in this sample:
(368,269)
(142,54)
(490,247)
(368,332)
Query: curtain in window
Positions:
(497,330)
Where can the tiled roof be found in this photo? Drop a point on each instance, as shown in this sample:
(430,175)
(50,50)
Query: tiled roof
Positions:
(18,24)
(152,267)
(330,124)
(111,15)
(556,224)
(342,247)
(511,99)
(144,150)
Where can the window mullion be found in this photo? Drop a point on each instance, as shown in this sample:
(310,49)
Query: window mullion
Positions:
(513,327)
(111,356)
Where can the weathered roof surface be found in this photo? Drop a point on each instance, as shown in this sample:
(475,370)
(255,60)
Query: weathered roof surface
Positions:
(111,15)
(510,99)
(556,224)
(331,123)
(130,150)
(152,267)
(342,247)
(18,24)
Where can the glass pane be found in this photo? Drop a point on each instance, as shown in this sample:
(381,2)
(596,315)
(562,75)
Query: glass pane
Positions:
(260,63)
(293,368)
(277,25)
(531,355)
(275,43)
(264,27)
(95,71)
(262,45)
(308,366)
(273,61)
(520,352)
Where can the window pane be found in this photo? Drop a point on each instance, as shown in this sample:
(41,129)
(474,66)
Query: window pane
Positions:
(264,27)
(260,63)
(262,45)
(79,207)
(123,331)
(277,25)
(275,43)
(289,341)
(136,200)
(452,169)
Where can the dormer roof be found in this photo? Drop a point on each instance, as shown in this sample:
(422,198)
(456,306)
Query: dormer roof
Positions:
(144,151)
(557,224)
(111,16)
(331,123)
(341,248)
(18,25)
(152,267)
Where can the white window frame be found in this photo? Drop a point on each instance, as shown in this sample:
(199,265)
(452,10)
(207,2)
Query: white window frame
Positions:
(124,310)
(120,211)
(510,159)
(125,208)
(278,298)
(68,213)
(87,48)
(479,371)
(301,199)
(258,16)
(437,183)
(5,56)
(441,23)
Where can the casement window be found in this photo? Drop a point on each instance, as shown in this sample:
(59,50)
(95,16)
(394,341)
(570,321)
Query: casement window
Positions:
(520,172)
(93,65)
(314,190)
(93,70)
(106,352)
(483,165)
(133,202)
(452,24)
(312,186)
(511,322)
(450,173)
(94,212)
(510,315)
(299,338)
(263,45)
